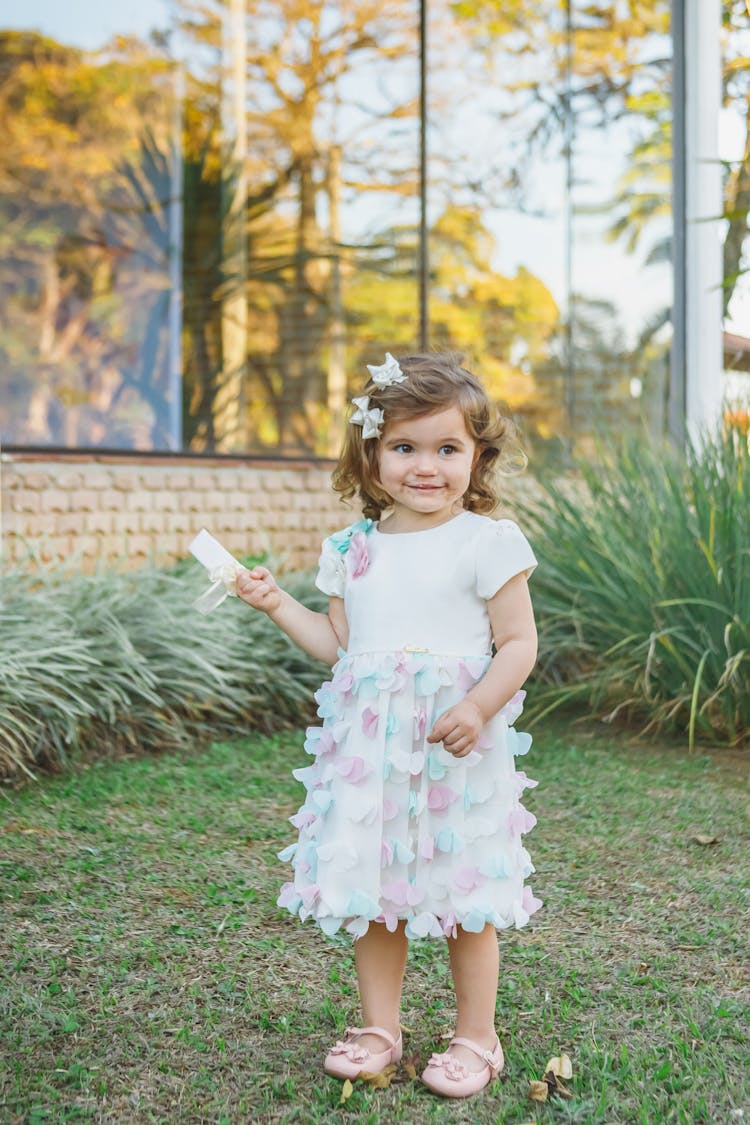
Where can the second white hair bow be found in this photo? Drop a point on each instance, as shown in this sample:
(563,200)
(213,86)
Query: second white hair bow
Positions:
(387,373)
(369,420)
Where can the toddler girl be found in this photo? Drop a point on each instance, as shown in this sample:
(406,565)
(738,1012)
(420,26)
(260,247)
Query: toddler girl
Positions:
(412,822)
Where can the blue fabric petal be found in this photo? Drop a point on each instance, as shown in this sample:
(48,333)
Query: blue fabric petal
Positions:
(361,903)
(435,767)
(518,742)
(402,853)
(474,922)
(427,682)
(321,799)
(329,926)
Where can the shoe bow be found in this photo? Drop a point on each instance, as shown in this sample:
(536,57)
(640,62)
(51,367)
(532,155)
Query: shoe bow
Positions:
(351,1050)
(452,1066)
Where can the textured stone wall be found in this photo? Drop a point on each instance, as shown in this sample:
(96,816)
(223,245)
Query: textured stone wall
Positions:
(126,509)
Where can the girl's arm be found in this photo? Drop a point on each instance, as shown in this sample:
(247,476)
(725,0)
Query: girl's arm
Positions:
(514,632)
(319,634)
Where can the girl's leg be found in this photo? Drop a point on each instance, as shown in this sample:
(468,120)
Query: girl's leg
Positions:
(475,962)
(380,957)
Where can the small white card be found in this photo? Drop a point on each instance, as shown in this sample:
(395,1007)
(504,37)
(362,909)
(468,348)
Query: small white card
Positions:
(221,567)
(210,553)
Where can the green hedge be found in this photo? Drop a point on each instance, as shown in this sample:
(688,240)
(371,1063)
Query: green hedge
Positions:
(643,598)
(116,661)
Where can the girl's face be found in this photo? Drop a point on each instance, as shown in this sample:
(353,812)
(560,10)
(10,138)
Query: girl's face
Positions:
(425,464)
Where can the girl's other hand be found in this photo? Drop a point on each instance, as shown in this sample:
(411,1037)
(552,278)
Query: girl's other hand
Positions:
(258,588)
(458,728)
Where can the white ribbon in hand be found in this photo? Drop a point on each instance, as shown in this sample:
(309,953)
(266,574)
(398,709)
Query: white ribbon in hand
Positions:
(221,567)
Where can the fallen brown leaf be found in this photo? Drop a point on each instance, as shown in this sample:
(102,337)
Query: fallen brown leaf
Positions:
(556,1085)
(380,1079)
(346,1091)
(561,1066)
(538,1091)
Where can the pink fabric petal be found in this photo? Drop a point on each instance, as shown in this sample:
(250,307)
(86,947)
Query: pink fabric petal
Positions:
(420,724)
(386,852)
(513,708)
(468,672)
(370,722)
(466,879)
(288,894)
(390,809)
(449,924)
(303,819)
(524,782)
(521,820)
(529,902)
(353,769)
(343,681)
(357,559)
(414,895)
(427,847)
(440,797)
(310,894)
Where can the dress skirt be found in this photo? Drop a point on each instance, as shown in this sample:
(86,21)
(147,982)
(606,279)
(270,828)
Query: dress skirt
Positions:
(393,827)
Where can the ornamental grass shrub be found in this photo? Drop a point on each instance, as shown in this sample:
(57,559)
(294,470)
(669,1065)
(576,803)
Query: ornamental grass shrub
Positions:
(643,598)
(111,662)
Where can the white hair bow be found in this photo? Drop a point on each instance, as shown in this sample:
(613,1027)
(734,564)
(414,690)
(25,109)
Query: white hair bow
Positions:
(388,373)
(369,420)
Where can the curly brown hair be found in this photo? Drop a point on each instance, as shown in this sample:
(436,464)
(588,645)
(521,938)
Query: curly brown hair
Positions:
(433,383)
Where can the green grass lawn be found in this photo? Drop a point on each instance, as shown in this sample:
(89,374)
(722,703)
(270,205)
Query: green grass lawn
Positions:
(147,975)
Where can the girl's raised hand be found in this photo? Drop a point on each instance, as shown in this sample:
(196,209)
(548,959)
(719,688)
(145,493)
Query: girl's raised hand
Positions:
(258,588)
(458,728)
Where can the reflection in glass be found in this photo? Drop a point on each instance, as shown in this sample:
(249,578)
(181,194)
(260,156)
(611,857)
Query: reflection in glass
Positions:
(564,151)
(209,216)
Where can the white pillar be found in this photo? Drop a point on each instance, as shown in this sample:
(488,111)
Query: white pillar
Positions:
(704,204)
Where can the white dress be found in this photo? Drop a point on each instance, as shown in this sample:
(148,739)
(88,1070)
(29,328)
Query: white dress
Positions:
(393,827)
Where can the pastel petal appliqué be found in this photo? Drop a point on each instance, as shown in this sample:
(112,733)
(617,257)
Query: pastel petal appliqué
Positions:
(440,797)
(357,558)
(353,769)
(370,722)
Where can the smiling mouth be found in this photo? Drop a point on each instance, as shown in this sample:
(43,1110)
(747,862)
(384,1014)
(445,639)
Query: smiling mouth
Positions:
(426,487)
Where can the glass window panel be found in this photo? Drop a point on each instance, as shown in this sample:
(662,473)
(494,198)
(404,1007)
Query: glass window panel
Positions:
(552,125)
(88,114)
(208,219)
(621,278)
(497,202)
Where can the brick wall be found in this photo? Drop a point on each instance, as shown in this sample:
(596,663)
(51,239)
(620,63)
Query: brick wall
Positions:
(125,509)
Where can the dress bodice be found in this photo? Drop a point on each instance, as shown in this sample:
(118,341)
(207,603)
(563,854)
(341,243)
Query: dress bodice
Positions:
(428,589)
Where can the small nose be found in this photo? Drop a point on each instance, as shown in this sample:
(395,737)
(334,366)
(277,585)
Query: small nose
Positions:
(425,464)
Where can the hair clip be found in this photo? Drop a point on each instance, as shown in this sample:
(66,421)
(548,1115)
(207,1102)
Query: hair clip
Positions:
(369,420)
(388,373)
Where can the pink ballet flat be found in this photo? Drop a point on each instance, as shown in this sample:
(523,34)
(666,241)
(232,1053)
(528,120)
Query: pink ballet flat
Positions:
(346,1059)
(445,1074)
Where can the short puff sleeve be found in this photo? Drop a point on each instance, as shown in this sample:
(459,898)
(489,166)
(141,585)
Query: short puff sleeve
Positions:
(331,577)
(503,551)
